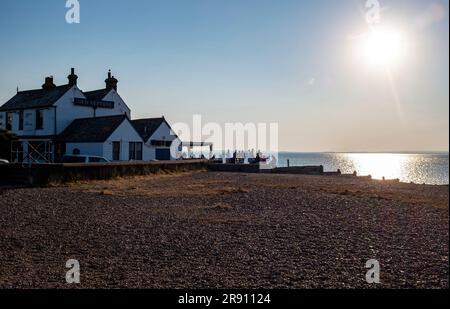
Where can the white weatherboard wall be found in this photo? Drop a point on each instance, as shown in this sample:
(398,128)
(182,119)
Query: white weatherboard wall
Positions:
(120,107)
(91,149)
(163,133)
(66,111)
(124,134)
(15,121)
(29,122)
(29,116)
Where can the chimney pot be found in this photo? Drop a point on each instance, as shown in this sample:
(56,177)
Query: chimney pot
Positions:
(48,83)
(111,82)
(72,77)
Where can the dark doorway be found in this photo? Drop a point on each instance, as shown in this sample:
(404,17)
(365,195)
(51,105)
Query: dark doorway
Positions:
(60,151)
(162,154)
(116,151)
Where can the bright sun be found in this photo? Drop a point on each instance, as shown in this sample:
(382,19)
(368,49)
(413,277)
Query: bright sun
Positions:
(383,49)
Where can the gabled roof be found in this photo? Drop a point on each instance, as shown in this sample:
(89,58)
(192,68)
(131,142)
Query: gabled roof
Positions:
(91,130)
(38,98)
(147,127)
(97,95)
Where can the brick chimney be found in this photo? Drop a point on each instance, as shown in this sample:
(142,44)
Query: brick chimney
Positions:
(48,83)
(111,82)
(72,77)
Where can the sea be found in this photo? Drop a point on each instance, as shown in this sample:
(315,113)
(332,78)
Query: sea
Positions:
(420,168)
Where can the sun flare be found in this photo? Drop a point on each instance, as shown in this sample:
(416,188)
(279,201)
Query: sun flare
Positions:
(383,49)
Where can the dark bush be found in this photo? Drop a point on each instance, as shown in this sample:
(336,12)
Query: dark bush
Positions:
(6,138)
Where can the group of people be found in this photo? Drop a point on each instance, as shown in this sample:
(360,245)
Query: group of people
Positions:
(249,157)
(238,157)
(243,155)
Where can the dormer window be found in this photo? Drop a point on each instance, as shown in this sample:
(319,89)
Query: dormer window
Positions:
(39,119)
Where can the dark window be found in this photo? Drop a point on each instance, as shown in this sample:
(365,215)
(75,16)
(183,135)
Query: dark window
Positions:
(116,151)
(135,150)
(21,121)
(139,151)
(157,143)
(9,121)
(132,150)
(39,119)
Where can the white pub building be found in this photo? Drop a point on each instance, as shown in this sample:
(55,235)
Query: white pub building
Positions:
(64,120)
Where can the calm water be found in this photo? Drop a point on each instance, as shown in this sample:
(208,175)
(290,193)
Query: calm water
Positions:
(431,168)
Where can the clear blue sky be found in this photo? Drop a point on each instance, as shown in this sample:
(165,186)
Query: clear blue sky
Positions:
(288,61)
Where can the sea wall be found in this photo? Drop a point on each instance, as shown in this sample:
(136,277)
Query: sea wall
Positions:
(44,174)
(255,168)
(234,168)
(301,170)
